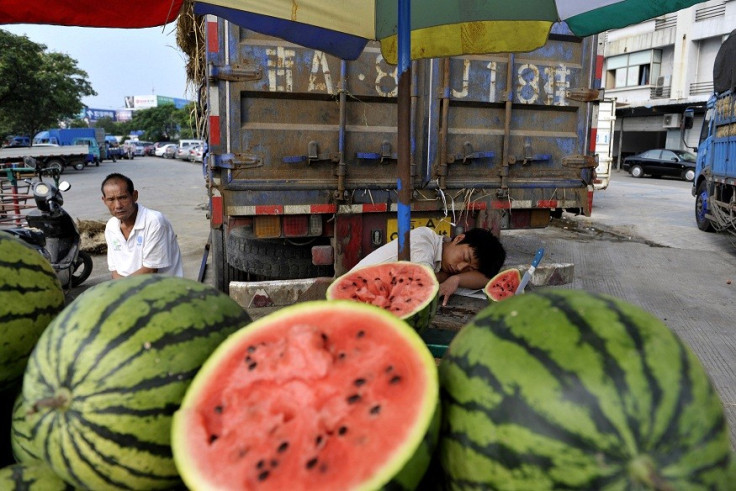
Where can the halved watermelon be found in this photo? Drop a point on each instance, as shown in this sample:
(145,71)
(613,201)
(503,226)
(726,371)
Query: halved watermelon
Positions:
(319,395)
(503,285)
(408,290)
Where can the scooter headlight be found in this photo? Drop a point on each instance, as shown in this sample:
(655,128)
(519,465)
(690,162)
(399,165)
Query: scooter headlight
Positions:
(41,190)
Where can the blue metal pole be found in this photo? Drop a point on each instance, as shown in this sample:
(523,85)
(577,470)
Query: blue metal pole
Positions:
(404,183)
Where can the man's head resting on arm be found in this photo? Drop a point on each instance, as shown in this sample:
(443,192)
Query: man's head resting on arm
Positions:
(475,250)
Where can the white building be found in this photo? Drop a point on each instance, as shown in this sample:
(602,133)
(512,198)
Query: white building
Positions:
(658,68)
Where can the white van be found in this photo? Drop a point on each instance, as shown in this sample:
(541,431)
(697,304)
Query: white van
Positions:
(182,151)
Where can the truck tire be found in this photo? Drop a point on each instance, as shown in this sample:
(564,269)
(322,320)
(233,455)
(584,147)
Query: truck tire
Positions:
(701,208)
(272,259)
(223,272)
(55,165)
(79,165)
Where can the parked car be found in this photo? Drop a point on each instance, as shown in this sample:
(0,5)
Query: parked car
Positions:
(171,150)
(161,149)
(195,153)
(183,151)
(138,147)
(662,162)
(148,148)
(129,149)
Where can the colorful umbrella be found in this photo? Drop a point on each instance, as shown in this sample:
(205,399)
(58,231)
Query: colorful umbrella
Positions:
(406,29)
(438,28)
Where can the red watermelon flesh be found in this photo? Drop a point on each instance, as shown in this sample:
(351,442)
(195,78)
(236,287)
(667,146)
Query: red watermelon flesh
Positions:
(503,285)
(401,287)
(320,395)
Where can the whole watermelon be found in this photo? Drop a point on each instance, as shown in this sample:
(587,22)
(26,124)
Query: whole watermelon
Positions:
(107,375)
(31,477)
(564,389)
(30,297)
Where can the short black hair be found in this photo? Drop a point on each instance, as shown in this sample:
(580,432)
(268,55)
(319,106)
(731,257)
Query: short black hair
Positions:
(117,176)
(488,249)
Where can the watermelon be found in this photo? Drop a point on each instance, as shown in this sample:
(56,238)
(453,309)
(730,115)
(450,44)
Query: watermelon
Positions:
(31,477)
(108,373)
(503,285)
(318,395)
(564,389)
(30,297)
(408,290)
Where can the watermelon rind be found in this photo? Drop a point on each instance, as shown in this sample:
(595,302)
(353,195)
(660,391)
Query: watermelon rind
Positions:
(30,297)
(566,389)
(407,464)
(503,285)
(31,477)
(108,373)
(424,312)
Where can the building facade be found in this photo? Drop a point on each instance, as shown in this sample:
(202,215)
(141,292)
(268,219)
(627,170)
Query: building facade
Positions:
(657,69)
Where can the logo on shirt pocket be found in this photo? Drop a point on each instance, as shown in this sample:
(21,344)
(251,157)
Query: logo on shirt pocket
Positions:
(139,241)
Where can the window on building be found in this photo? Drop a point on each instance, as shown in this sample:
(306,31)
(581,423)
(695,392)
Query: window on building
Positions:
(633,69)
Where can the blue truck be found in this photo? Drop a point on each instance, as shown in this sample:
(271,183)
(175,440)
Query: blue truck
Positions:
(714,186)
(302,161)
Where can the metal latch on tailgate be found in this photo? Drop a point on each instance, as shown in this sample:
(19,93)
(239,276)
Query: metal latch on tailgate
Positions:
(468,155)
(233,73)
(313,155)
(585,95)
(579,161)
(238,161)
(384,156)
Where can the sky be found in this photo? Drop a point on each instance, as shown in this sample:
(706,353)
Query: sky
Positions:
(118,62)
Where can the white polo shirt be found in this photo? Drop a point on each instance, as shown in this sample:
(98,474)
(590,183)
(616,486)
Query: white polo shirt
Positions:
(152,243)
(425,246)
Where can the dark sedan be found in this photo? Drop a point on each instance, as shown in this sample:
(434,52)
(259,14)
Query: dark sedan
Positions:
(662,162)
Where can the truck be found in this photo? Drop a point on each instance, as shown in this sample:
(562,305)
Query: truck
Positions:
(301,171)
(48,155)
(73,136)
(714,185)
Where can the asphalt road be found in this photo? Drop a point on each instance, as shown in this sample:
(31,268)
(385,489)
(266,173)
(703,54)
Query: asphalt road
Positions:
(641,244)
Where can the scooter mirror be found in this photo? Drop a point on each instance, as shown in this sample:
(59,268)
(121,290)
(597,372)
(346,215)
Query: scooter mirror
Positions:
(64,186)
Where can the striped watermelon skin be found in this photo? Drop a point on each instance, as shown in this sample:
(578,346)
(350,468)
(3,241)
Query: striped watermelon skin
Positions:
(30,297)
(573,390)
(31,477)
(114,365)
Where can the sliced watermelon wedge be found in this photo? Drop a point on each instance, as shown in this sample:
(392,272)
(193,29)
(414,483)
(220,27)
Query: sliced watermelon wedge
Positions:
(319,395)
(408,290)
(503,285)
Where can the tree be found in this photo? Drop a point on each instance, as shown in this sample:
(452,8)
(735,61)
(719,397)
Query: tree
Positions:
(37,88)
(158,123)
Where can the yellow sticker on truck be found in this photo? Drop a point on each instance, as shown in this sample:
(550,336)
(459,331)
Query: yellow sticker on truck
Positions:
(441,225)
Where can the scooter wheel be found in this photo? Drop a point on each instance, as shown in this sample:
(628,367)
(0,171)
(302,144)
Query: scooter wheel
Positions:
(82,268)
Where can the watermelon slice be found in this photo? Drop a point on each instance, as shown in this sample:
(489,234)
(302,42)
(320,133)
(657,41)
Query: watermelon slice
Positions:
(319,395)
(503,285)
(408,290)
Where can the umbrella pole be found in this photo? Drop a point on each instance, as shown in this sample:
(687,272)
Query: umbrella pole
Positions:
(404,184)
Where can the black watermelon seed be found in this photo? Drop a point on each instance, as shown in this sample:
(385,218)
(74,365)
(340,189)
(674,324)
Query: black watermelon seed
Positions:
(342,430)
(252,365)
(283,446)
(361,334)
(376,278)
(318,440)
(408,300)
(394,380)
(389,368)
(263,476)
(218,409)
(213,438)
(311,462)
(251,349)
(353,398)
(355,284)
(376,409)
(324,337)
(274,463)
(260,464)
(248,359)
(401,280)
(363,280)
(358,382)
(341,355)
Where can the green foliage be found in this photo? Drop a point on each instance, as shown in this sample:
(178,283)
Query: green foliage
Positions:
(37,88)
(158,123)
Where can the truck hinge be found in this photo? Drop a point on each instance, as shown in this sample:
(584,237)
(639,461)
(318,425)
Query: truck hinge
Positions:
(234,73)
(579,161)
(239,161)
(585,95)
(385,156)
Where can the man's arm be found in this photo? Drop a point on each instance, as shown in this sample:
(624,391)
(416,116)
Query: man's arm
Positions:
(473,280)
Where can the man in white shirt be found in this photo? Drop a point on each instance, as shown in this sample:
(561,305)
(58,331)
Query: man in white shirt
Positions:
(139,240)
(468,261)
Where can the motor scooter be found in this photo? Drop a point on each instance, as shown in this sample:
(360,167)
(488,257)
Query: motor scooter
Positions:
(53,232)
